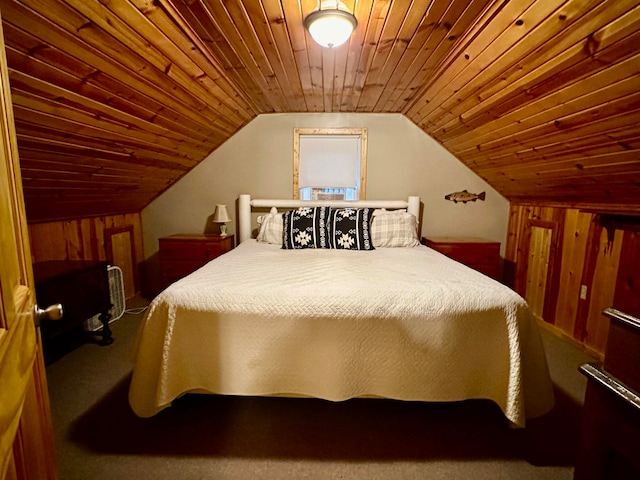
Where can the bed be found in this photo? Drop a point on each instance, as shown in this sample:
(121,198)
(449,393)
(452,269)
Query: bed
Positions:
(358,318)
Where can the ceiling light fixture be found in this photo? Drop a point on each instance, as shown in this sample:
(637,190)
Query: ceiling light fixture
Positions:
(330,28)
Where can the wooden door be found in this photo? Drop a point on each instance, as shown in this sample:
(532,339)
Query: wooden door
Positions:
(538,269)
(26,440)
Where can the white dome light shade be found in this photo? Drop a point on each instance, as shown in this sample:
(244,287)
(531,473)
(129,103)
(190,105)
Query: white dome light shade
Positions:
(330,28)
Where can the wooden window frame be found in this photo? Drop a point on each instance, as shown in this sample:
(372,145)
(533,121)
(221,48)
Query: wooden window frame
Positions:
(361,132)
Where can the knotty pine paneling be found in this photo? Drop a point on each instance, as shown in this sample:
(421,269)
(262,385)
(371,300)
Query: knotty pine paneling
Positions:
(603,287)
(115,101)
(538,268)
(590,251)
(86,239)
(574,246)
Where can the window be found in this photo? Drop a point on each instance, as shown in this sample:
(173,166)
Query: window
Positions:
(329,163)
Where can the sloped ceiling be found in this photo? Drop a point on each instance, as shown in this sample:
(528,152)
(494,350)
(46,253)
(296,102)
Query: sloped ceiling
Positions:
(115,100)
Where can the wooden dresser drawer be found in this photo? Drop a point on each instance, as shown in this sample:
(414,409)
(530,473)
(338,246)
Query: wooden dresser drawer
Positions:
(182,254)
(477,253)
(175,269)
(492,270)
(191,249)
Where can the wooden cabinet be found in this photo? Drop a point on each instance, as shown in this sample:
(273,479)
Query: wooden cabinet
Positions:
(480,254)
(181,254)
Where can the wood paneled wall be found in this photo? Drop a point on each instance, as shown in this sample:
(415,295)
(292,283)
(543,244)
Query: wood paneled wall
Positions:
(116,238)
(571,264)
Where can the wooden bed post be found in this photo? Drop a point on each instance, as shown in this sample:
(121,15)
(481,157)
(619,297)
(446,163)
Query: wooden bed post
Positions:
(244,217)
(413,206)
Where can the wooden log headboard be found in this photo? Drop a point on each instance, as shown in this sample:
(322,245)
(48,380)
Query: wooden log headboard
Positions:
(245,204)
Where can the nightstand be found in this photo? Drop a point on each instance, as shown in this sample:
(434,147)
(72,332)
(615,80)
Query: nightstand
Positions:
(478,253)
(183,253)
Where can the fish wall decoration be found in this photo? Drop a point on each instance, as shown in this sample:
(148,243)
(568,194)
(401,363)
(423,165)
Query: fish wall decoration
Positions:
(465,196)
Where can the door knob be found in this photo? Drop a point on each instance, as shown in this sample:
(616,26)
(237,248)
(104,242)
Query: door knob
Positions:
(52,312)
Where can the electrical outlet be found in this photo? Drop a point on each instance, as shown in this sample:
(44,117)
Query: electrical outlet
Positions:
(583,292)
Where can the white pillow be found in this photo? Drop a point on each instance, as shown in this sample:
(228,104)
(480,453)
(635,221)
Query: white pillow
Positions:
(271,227)
(394,229)
(383,211)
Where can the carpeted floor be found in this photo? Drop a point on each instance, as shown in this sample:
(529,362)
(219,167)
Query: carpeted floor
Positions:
(217,437)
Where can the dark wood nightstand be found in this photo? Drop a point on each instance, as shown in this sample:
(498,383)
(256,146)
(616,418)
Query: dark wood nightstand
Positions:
(183,253)
(480,254)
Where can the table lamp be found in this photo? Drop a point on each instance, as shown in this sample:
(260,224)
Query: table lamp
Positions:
(221,216)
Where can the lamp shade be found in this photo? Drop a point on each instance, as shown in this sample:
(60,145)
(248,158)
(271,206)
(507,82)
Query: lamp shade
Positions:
(221,215)
(330,28)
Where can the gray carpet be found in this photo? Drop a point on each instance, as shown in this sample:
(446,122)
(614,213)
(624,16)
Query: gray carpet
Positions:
(216,437)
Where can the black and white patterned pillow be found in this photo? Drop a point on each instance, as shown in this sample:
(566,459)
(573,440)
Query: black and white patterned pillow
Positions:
(305,228)
(349,228)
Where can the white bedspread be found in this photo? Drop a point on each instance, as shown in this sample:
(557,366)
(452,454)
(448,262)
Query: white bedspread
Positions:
(402,323)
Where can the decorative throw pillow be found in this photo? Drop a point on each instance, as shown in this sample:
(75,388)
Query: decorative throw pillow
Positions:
(395,230)
(349,228)
(305,228)
(270,228)
(384,211)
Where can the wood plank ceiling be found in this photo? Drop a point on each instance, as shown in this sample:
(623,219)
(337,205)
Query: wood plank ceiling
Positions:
(115,100)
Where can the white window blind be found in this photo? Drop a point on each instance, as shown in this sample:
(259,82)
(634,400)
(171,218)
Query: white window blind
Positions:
(329,161)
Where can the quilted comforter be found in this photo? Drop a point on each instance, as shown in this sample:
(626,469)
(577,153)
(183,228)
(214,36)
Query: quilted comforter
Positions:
(401,323)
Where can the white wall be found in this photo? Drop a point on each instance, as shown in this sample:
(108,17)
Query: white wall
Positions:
(402,160)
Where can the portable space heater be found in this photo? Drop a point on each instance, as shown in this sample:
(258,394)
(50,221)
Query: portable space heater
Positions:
(116,291)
